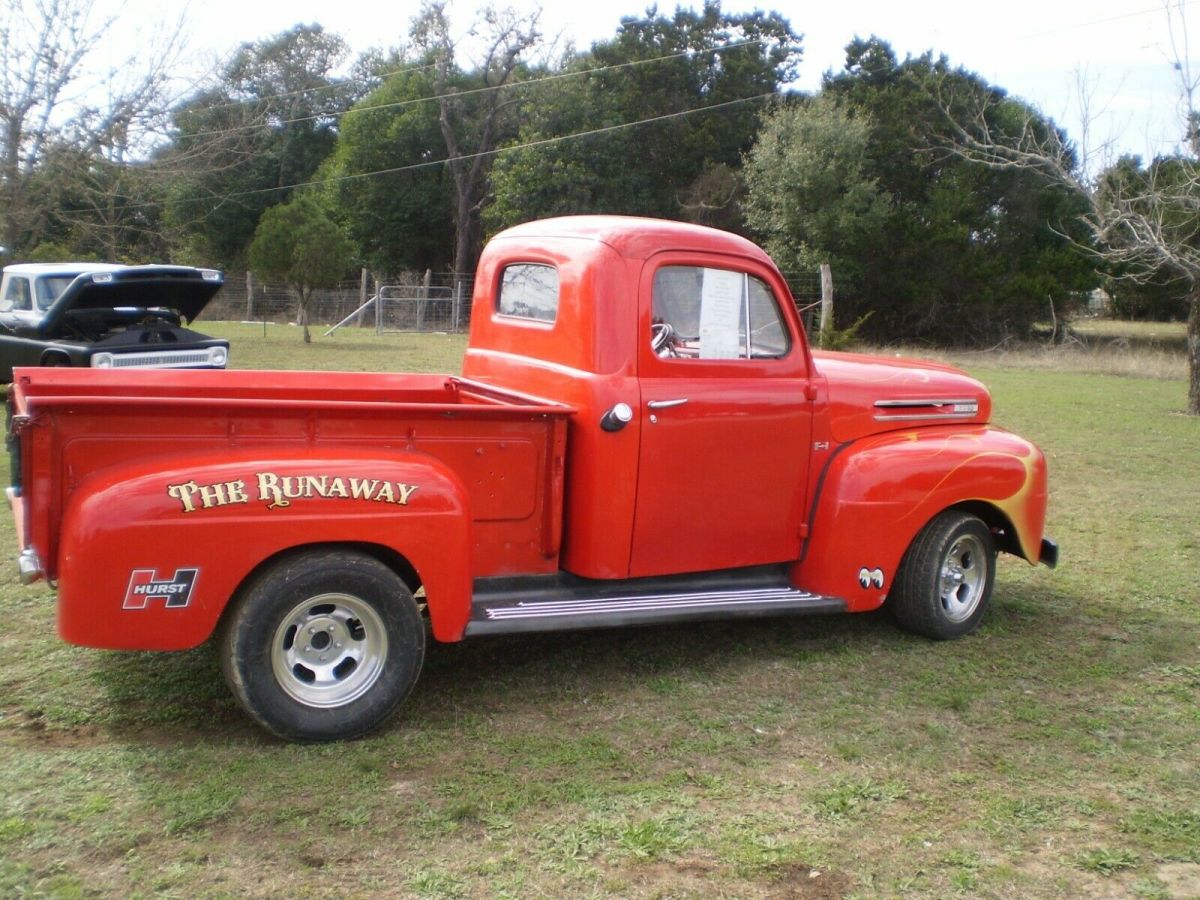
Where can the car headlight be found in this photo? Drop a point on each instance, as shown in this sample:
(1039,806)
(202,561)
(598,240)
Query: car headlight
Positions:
(102,360)
(218,356)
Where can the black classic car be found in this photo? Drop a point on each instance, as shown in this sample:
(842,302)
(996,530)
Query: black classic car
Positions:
(106,316)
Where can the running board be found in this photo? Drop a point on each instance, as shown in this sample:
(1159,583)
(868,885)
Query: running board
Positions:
(567,604)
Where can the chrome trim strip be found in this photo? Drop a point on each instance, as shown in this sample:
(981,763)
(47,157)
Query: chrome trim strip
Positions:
(934,402)
(532,609)
(934,405)
(940,417)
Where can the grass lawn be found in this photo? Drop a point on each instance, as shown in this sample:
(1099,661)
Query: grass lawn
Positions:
(1054,753)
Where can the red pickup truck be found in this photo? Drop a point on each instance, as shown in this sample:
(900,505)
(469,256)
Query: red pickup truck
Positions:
(640,435)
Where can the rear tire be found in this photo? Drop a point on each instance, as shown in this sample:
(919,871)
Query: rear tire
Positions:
(944,584)
(323,645)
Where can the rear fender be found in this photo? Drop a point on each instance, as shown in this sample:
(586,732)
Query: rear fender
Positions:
(150,558)
(875,495)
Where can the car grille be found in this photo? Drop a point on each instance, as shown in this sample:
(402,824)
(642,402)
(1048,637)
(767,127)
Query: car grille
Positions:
(167,359)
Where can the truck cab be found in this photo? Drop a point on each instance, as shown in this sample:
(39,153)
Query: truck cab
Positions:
(700,339)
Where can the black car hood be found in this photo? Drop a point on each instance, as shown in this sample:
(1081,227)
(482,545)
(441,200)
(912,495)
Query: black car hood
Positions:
(180,288)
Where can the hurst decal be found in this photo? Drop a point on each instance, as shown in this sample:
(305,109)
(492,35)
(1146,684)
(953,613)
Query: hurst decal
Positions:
(277,491)
(145,587)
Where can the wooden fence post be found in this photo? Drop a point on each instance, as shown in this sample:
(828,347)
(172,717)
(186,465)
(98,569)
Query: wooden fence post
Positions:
(826,304)
(424,299)
(249,296)
(378,305)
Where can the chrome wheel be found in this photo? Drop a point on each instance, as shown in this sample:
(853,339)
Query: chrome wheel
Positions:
(329,650)
(944,583)
(963,577)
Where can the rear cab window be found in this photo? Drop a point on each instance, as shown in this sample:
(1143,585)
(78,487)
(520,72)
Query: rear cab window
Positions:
(529,291)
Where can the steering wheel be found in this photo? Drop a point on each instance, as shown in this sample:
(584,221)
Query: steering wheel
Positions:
(662,339)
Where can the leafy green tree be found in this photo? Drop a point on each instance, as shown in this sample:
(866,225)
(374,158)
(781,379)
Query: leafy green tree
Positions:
(938,247)
(659,68)
(394,206)
(809,193)
(241,145)
(297,243)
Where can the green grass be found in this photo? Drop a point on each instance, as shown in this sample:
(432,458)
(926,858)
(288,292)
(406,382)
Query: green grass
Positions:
(1051,754)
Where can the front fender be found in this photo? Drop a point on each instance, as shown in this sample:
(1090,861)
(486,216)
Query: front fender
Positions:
(876,494)
(151,556)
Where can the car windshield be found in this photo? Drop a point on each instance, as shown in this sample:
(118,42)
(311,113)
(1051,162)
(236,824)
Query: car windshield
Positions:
(50,287)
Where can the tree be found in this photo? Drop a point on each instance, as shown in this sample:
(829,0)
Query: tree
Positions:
(1157,296)
(297,243)
(50,97)
(474,110)
(937,248)
(394,205)
(809,193)
(665,72)
(243,143)
(1141,225)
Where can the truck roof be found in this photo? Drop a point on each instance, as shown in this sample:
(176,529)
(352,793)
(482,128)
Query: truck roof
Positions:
(63,268)
(637,238)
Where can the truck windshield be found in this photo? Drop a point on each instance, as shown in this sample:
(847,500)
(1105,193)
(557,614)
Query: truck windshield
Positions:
(50,288)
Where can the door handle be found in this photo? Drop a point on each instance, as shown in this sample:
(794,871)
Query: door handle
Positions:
(667,404)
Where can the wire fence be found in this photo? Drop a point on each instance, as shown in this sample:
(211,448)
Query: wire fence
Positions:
(410,302)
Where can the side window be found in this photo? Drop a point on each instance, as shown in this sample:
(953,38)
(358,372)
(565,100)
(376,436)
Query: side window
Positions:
(16,294)
(703,313)
(529,291)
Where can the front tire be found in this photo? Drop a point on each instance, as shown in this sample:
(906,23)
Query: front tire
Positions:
(323,645)
(944,584)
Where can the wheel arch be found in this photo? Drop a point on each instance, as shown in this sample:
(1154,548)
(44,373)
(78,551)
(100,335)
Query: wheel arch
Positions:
(55,356)
(1003,530)
(405,570)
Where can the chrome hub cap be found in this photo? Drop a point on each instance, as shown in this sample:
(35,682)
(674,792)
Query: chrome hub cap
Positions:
(329,650)
(963,576)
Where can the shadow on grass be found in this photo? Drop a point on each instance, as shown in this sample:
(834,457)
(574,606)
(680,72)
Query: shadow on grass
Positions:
(1030,635)
(160,697)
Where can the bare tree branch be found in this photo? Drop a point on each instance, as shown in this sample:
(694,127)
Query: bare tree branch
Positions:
(1142,224)
(51,96)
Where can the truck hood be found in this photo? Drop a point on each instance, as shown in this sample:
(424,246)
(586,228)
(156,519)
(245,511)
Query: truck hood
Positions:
(872,394)
(181,289)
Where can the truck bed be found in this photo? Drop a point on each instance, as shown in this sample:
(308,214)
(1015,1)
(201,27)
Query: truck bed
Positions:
(505,447)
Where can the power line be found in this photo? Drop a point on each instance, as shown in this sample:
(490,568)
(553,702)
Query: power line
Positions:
(499,151)
(333,86)
(473,91)
(365,79)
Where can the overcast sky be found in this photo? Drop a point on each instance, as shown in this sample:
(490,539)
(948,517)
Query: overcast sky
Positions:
(1037,49)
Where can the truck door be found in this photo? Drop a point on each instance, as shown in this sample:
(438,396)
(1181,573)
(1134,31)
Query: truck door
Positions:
(726,425)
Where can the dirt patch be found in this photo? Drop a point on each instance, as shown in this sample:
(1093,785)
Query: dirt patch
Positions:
(796,881)
(1182,880)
